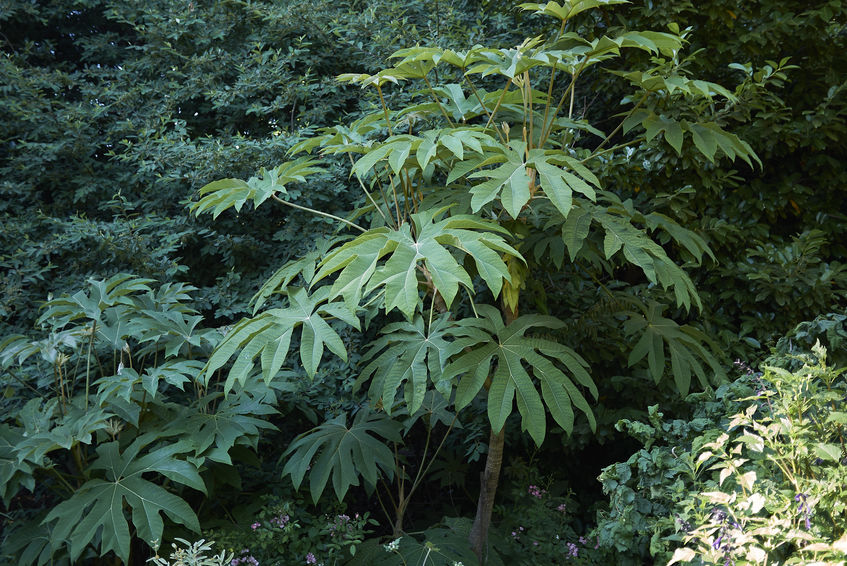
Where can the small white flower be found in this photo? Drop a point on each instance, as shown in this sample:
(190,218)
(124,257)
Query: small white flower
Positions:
(392,546)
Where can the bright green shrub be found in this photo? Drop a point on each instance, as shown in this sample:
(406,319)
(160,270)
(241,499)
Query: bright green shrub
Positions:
(757,475)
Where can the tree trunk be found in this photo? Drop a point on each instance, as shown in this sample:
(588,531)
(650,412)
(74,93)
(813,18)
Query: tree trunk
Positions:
(490,477)
(487,490)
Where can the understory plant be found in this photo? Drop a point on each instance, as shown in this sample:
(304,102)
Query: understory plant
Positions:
(757,475)
(289,532)
(108,428)
(777,491)
(194,554)
(481,191)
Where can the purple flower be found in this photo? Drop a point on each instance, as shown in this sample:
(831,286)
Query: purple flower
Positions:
(310,559)
(246,560)
(562,508)
(573,550)
(804,510)
(281,520)
(255,526)
(536,491)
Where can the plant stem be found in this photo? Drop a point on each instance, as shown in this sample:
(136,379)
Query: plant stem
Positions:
(438,102)
(485,108)
(319,213)
(490,478)
(384,110)
(497,106)
(620,125)
(367,193)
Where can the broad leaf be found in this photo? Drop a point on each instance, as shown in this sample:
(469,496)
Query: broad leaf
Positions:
(233,193)
(268,337)
(685,345)
(515,356)
(343,453)
(98,506)
(214,429)
(407,354)
(407,250)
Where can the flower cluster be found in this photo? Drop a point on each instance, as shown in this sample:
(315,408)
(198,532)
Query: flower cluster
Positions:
(392,546)
(310,559)
(536,491)
(341,525)
(804,510)
(573,550)
(245,559)
(724,541)
(280,520)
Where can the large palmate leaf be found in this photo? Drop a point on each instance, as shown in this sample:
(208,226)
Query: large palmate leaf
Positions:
(48,427)
(410,354)
(233,193)
(268,337)
(345,453)
(635,244)
(423,244)
(707,137)
(560,176)
(684,343)
(90,305)
(32,542)
(236,419)
(98,506)
(488,340)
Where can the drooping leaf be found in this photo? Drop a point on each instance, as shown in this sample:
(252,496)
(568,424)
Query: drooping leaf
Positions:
(517,359)
(335,451)
(268,336)
(236,419)
(399,277)
(686,346)
(234,193)
(407,356)
(99,505)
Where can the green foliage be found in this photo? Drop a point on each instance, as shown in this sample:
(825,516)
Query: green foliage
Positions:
(409,353)
(488,340)
(98,504)
(269,335)
(683,343)
(537,210)
(285,531)
(756,477)
(153,101)
(343,452)
(194,554)
(444,203)
(443,544)
(116,423)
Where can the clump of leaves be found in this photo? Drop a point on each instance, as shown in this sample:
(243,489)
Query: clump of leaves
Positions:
(778,486)
(463,192)
(284,531)
(110,418)
(757,476)
(194,554)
